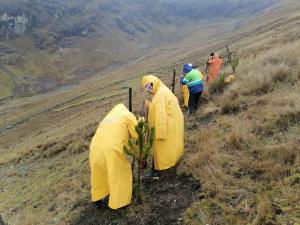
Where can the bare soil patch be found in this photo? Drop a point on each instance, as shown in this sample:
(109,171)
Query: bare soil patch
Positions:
(164,202)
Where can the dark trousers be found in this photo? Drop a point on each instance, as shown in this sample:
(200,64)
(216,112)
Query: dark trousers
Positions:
(194,101)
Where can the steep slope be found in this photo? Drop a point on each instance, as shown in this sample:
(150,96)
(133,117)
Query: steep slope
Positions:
(247,173)
(47,44)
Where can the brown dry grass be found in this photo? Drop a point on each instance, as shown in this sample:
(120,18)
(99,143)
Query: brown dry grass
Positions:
(260,76)
(246,160)
(230,103)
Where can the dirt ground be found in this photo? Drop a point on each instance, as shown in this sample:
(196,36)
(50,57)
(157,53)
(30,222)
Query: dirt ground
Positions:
(164,202)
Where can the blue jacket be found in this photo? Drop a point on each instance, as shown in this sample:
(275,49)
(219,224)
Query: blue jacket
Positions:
(194,81)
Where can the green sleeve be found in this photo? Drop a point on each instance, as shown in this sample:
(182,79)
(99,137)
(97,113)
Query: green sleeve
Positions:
(188,77)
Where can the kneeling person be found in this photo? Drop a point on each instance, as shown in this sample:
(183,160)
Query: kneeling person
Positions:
(110,170)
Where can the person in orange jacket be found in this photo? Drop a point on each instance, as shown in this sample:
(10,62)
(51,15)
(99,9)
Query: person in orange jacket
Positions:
(215,64)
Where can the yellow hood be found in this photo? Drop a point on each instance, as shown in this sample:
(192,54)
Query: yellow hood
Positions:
(119,108)
(154,80)
(110,169)
(164,114)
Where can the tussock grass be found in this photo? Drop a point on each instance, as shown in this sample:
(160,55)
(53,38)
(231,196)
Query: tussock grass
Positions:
(246,158)
(265,213)
(264,78)
(218,86)
(286,154)
(233,181)
(205,157)
(274,123)
(230,103)
(231,107)
(236,140)
(288,119)
(262,75)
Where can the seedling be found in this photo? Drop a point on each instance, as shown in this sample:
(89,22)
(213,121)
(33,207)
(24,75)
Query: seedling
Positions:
(234,63)
(218,85)
(140,150)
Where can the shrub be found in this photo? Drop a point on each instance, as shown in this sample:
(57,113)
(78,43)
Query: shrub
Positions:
(218,85)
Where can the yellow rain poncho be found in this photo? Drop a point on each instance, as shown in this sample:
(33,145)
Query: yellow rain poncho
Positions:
(166,117)
(186,95)
(110,170)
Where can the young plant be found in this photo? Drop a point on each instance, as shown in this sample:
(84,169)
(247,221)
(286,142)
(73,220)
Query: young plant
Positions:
(218,85)
(234,63)
(140,150)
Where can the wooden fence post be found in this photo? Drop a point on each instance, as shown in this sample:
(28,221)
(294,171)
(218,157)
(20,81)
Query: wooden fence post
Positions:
(130,99)
(173,82)
(229,55)
(130,109)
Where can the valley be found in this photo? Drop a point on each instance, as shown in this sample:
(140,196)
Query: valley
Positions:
(236,159)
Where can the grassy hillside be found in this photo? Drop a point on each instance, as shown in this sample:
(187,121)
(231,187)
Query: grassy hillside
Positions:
(45,45)
(242,148)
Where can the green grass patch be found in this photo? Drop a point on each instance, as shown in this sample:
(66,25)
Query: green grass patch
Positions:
(6,86)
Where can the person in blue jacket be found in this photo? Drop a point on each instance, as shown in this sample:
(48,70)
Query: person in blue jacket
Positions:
(193,79)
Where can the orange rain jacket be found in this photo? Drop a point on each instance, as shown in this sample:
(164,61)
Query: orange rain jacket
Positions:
(215,66)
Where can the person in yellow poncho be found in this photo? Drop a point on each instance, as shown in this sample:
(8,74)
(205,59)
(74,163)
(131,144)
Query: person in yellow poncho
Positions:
(110,170)
(186,95)
(164,114)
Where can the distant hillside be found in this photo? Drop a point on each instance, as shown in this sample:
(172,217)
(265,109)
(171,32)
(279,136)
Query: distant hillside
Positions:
(242,146)
(47,44)
(63,19)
